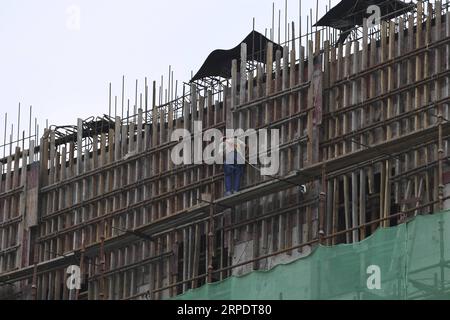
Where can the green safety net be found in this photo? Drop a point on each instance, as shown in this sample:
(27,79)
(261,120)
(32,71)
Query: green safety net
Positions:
(409,261)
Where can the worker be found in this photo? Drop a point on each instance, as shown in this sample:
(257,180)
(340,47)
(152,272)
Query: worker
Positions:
(234,164)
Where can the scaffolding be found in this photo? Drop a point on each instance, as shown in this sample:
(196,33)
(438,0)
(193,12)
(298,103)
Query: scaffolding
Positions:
(364,125)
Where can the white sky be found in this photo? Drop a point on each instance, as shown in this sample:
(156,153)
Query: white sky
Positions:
(65,73)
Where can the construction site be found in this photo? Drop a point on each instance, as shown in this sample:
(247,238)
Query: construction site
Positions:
(363,184)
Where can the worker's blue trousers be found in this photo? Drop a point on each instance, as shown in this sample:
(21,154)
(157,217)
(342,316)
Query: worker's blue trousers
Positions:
(233,177)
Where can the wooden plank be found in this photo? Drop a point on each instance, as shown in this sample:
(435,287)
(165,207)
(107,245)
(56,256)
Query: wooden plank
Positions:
(290,153)
(346,96)
(355,92)
(417,94)
(61,199)
(265,118)
(79,183)
(283,227)
(69,199)
(364,174)
(117,170)
(44,287)
(409,103)
(383,75)
(382,193)
(185,258)
(438,188)
(185,173)
(19,263)
(362,202)
(335,227)
(190,255)
(133,274)
(332,99)
(399,99)
(52,158)
(354,126)
(410,70)
(417,102)
(326,98)
(347,207)
(329,210)
(85,193)
(274,113)
(251,87)
(43,177)
(310,103)
(301,80)
(92,185)
(102,207)
(49,196)
(390,80)
(109,186)
(445,54)
(155,165)
(447,65)
(15,183)
(139,131)
(234,84)
(391,129)
(243,74)
(427,63)
(339,98)
(192,194)
(269,82)
(169,164)
(372,94)
(387,196)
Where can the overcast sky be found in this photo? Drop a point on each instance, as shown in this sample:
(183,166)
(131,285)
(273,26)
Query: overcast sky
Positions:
(63,68)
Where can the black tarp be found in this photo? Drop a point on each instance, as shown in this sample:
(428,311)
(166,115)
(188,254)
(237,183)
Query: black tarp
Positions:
(218,63)
(348,14)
